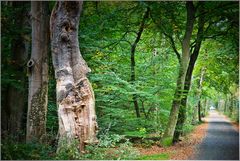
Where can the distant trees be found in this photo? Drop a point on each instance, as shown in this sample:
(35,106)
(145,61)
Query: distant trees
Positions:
(75,97)
(38,72)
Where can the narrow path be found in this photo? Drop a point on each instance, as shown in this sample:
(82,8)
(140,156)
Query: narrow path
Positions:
(221,141)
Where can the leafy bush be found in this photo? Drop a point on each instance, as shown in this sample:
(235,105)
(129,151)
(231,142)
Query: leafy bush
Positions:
(125,151)
(110,148)
(11,150)
(110,140)
(68,150)
(147,143)
(187,128)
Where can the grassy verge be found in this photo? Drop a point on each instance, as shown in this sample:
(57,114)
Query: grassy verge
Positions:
(161,156)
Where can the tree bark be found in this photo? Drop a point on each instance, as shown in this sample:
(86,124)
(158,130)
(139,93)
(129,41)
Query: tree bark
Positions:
(169,131)
(200,93)
(133,49)
(188,78)
(75,97)
(38,72)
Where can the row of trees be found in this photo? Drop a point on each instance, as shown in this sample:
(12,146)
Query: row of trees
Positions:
(168,61)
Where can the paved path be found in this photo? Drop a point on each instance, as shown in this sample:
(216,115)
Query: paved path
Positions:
(221,141)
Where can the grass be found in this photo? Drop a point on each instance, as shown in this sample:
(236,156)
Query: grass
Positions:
(166,141)
(162,156)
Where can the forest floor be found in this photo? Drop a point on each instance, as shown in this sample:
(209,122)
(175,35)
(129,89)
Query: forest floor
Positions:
(221,141)
(179,151)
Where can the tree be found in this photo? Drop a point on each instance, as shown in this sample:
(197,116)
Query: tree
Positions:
(188,78)
(13,72)
(183,60)
(199,94)
(75,97)
(133,48)
(38,72)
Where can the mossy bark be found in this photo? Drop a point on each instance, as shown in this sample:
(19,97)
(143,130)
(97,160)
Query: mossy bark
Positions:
(184,60)
(188,78)
(38,72)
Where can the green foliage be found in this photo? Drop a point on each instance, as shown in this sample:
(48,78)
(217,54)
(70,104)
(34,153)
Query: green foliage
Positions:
(106,33)
(147,143)
(110,148)
(11,150)
(68,150)
(109,140)
(165,142)
(141,132)
(187,128)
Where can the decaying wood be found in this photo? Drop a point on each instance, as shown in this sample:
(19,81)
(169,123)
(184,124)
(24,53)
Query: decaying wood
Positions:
(75,97)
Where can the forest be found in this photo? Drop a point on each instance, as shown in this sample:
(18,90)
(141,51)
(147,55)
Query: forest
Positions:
(106,79)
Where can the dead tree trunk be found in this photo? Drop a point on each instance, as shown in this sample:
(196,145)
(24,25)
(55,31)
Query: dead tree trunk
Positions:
(38,72)
(75,97)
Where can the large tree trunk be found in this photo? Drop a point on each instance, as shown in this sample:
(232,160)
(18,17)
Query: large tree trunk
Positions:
(75,97)
(15,96)
(168,134)
(38,72)
(133,48)
(188,78)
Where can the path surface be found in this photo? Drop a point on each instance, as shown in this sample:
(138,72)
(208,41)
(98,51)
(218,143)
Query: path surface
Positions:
(221,141)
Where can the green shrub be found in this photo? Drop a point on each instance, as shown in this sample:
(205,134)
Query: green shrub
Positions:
(147,143)
(110,148)
(11,150)
(187,128)
(109,140)
(166,141)
(68,150)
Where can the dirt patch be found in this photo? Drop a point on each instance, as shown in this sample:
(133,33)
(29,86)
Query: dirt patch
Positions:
(181,150)
(235,125)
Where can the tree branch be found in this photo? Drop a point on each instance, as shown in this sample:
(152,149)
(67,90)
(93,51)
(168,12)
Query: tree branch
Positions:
(173,46)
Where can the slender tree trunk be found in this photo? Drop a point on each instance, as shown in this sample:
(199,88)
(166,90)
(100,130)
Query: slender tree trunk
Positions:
(133,48)
(204,107)
(200,93)
(199,111)
(188,78)
(75,97)
(38,72)
(143,109)
(169,132)
(231,105)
